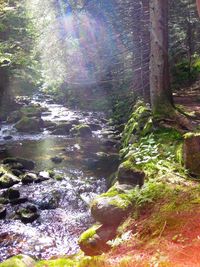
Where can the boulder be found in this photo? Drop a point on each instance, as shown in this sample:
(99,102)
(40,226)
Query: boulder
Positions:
(94,241)
(25,163)
(110,210)
(28,214)
(62,129)
(7,180)
(2,212)
(11,193)
(29,178)
(32,111)
(82,130)
(191,153)
(19,261)
(29,125)
(127,174)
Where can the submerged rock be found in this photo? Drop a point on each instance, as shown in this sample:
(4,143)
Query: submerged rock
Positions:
(57,159)
(25,163)
(19,261)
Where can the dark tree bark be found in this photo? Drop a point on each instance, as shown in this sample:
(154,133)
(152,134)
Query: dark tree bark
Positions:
(161,96)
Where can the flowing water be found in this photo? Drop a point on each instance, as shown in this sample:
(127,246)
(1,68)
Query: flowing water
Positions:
(61,222)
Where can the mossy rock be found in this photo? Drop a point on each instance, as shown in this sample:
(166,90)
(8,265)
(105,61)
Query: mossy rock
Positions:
(110,209)
(94,241)
(29,178)
(128,174)
(62,129)
(8,180)
(29,125)
(27,164)
(19,261)
(28,214)
(82,130)
(32,111)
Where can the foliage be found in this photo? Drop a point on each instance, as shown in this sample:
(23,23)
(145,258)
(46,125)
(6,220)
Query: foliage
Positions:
(17,58)
(184,73)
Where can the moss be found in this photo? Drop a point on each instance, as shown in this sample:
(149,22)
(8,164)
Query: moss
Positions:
(81,130)
(88,234)
(31,111)
(56,263)
(121,201)
(138,124)
(191,134)
(18,261)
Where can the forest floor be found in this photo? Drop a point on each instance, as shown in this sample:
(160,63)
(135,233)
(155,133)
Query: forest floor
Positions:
(175,240)
(189,98)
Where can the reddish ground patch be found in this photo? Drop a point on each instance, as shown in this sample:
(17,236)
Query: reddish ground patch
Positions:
(177,247)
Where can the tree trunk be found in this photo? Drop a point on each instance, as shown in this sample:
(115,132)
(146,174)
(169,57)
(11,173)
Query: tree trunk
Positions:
(198,6)
(161,96)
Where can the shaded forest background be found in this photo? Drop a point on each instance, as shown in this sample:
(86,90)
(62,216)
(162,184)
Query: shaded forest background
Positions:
(91,53)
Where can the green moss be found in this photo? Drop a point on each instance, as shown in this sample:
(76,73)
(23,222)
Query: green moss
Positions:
(88,234)
(139,123)
(191,134)
(56,263)
(121,202)
(18,261)
(31,110)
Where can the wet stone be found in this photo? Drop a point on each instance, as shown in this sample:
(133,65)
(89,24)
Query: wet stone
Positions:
(11,193)
(28,214)
(8,180)
(29,178)
(18,201)
(17,172)
(2,212)
(57,160)
(8,137)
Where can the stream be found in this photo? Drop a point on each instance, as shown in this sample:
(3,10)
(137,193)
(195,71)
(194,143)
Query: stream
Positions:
(63,204)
